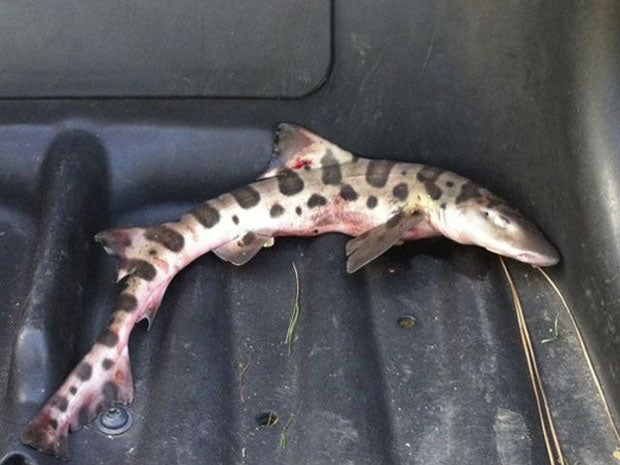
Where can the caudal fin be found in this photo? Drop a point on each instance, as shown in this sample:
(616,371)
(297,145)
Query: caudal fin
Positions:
(102,379)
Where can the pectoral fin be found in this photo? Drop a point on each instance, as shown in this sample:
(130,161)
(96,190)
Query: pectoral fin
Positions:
(372,243)
(242,249)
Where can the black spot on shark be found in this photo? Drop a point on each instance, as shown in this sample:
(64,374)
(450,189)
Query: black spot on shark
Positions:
(428,176)
(378,172)
(332,174)
(276,210)
(348,193)
(248,238)
(401,191)
(61,403)
(109,338)
(206,215)
(127,302)
(166,236)
(84,371)
(316,200)
(469,191)
(110,392)
(141,269)
(289,182)
(246,196)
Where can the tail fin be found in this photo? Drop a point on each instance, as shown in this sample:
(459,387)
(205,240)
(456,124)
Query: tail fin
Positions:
(102,378)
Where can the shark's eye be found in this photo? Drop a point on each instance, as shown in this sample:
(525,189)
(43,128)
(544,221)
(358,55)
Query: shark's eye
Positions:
(500,221)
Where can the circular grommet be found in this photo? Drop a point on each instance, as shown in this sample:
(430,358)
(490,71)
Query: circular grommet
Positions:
(115,421)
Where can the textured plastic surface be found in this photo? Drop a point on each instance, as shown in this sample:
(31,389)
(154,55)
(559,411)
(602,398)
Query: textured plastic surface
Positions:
(520,97)
(232,48)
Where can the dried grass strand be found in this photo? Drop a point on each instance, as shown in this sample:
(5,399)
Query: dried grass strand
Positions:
(552,441)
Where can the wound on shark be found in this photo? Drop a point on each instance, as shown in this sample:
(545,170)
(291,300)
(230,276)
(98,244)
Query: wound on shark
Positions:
(312,187)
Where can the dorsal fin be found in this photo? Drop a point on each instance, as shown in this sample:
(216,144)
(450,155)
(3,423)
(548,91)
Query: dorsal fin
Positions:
(296,148)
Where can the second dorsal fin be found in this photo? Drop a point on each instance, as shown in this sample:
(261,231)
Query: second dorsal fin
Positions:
(296,148)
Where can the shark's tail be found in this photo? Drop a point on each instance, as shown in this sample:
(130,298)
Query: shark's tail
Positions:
(101,379)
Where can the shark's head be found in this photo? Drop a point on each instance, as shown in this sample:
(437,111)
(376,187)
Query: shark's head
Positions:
(481,218)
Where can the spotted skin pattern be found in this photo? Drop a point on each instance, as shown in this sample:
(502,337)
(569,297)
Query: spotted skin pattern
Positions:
(312,187)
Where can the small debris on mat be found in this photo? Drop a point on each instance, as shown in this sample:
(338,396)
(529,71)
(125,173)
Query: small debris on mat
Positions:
(406,322)
(267,419)
(555,334)
(243,367)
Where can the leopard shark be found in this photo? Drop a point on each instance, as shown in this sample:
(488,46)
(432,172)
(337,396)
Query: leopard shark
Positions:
(311,187)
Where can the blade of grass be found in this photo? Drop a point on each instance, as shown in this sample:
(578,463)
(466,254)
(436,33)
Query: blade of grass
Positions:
(552,442)
(240,372)
(283,438)
(292,325)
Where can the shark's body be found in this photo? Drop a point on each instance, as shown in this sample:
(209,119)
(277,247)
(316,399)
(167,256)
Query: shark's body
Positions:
(313,187)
